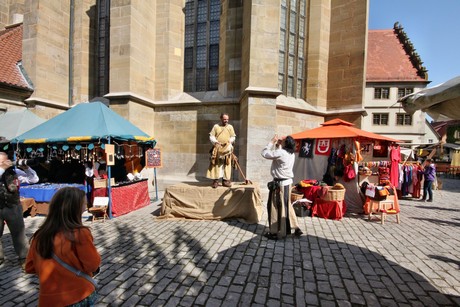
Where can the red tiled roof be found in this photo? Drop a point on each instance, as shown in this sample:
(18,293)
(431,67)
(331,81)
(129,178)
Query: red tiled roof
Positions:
(387,59)
(10,56)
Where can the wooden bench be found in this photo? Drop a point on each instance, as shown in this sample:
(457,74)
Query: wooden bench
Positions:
(99,208)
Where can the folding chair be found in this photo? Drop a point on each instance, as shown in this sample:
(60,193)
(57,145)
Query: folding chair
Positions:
(99,208)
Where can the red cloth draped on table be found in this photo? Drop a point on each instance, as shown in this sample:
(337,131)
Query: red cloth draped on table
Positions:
(127,198)
(334,209)
(329,209)
(311,192)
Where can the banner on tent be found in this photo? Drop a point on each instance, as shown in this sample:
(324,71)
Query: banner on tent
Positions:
(323,147)
(306,148)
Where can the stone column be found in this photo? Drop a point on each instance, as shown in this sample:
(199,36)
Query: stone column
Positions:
(259,84)
(132,47)
(46,51)
(231,26)
(169,48)
(319,19)
(347,61)
(83,51)
(132,61)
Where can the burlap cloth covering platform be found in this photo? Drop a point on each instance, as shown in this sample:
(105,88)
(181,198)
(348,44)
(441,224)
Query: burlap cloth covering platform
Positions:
(201,202)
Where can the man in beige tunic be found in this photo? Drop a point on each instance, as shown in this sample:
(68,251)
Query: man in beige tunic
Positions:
(222,136)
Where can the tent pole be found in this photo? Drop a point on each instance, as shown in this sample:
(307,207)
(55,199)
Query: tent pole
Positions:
(155,182)
(109,186)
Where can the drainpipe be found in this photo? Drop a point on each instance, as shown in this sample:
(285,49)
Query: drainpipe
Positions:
(71,27)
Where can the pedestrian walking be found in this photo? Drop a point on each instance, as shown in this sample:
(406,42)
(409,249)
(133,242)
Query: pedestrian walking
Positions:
(429,176)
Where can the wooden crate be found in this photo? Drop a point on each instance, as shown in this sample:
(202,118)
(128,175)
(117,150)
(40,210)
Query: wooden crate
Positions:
(102,183)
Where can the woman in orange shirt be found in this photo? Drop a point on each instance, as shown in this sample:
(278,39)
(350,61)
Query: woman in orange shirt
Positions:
(63,234)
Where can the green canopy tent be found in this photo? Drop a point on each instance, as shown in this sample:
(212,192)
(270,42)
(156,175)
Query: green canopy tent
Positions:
(86,122)
(14,123)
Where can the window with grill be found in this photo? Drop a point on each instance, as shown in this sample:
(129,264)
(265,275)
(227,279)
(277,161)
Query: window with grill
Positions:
(291,63)
(102,48)
(382,93)
(403,119)
(380,119)
(403,91)
(201,56)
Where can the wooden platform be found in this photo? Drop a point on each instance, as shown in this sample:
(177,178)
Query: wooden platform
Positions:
(200,201)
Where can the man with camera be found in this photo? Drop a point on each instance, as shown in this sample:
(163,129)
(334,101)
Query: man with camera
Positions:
(11,209)
(26,174)
(281,216)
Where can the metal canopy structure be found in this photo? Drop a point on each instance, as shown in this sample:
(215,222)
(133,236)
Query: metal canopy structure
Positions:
(441,102)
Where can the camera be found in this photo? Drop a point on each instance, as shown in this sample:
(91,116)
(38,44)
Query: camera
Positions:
(25,162)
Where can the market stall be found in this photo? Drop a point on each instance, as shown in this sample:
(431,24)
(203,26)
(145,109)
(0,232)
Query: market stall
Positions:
(89,134)
(331,154)
(15,123)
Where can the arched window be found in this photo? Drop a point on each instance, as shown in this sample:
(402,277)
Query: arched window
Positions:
(291,70)
(201,57)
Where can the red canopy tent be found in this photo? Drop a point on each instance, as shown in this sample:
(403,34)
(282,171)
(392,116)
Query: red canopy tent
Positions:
(337,128)
(316,167)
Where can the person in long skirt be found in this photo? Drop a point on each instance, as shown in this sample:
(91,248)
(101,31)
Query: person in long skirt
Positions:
(281,215)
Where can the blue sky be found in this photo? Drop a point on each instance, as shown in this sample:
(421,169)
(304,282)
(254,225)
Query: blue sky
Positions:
(433,26)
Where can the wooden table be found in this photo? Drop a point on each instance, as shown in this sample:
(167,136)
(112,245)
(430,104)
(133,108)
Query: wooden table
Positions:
(29,206)
(200,201)
(127,197)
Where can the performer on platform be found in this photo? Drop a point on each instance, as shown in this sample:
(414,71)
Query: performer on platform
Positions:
(222,137)
(281,214)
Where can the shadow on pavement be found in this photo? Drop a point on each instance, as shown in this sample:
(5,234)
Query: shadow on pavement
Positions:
(446,259)
(437,221)
(437,208)
(229,263)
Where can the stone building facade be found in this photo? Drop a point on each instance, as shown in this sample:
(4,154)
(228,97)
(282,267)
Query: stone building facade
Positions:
(133,53)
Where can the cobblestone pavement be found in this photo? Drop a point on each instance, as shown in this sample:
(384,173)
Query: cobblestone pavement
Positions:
(351,262)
